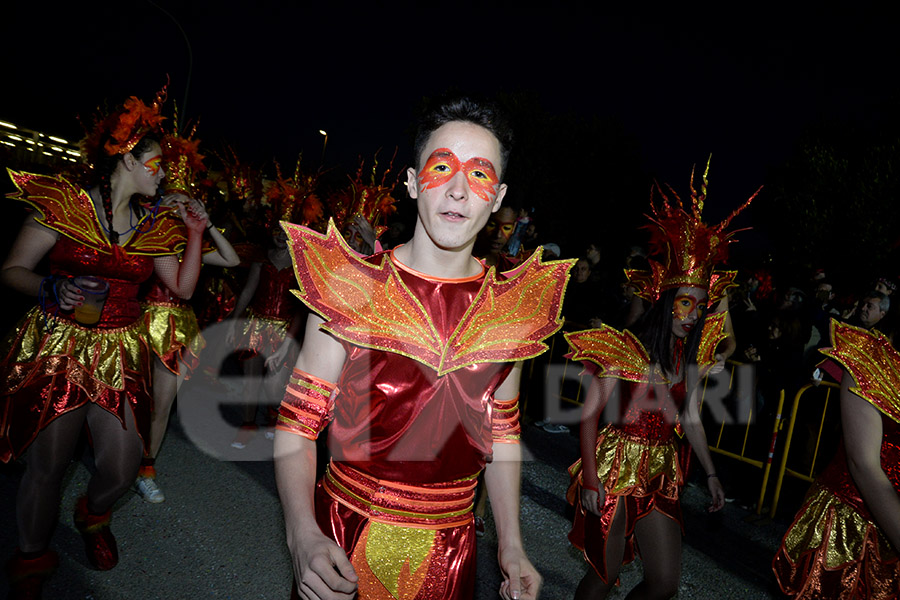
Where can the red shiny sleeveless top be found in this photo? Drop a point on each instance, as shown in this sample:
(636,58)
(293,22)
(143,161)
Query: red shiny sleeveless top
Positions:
(395,419)
(159,293)
(273,298)
(124,272)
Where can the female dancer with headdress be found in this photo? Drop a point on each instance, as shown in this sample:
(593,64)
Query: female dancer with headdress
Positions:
(845,540)
(58,374)
(270,314)
(627,484)
(173,330)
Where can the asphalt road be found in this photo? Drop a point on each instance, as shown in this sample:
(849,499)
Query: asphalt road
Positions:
(220,534)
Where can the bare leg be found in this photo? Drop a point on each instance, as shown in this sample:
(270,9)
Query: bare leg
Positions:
(659,540)
(165,386)
(591,586)
(37,502)
(117,455)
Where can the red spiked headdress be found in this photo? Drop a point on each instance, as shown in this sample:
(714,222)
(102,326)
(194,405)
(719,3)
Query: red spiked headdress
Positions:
(372,201)
(685,249)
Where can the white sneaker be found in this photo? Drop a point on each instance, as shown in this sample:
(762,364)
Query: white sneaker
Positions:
(149,490)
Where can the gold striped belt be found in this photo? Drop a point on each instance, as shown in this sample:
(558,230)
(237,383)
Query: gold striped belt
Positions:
(428,506)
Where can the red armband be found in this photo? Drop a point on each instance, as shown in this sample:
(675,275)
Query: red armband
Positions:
(307,406)
(505,421)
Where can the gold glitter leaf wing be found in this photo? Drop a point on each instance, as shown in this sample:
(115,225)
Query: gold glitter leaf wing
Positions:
(619,354)
(363,303)
(713,333)
(719,283)
(63,207)
(508,320)
(167,235)
(872,361)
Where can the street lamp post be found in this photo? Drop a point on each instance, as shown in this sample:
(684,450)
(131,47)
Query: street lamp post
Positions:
(324,144)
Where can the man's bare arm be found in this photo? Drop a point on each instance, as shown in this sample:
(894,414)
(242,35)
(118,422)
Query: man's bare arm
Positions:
(502,477)
(321,567)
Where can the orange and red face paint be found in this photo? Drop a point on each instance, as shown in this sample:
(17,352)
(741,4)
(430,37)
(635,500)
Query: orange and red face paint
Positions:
(443,164)
(153,164)
(685,304)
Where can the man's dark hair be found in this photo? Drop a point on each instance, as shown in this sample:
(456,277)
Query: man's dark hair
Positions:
(884,300)
(462,108)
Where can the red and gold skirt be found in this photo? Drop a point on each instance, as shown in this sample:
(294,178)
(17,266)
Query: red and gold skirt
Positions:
(173,334)
(831,551)
(47,372)
(404,541)
(261,335)
(638,476)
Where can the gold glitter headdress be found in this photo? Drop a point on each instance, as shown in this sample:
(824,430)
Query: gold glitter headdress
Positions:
(294,199)
(120,131)
(686,248)
(182,158)
(372,201)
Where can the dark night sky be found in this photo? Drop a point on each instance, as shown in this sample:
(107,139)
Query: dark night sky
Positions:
(267,76)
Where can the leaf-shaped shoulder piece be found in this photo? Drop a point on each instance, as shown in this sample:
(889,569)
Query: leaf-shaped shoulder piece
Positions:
(68,209)
(713,333)
(619,354)
(510,318)
(368,304)
(363,303)
(872,361)
(63,206)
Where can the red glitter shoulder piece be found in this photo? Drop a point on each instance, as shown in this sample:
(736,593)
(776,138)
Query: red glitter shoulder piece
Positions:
(719,282)
(619,354)
(872,361)
(168,236)
(63,206)
(713,333)
(368,304)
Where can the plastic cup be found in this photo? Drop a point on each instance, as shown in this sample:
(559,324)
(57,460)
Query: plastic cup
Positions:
(95,291)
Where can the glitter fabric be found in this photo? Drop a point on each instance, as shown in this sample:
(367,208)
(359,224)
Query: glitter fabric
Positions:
(613,353)
(873,363)
(505,421)
(307,405)
(173,333)
(270,312)
(393,560)
(47,371)
(367,303)
(449,568)
(68,209)
(637,452)
(834,548)
(689,247)
(429,506)
(638,466)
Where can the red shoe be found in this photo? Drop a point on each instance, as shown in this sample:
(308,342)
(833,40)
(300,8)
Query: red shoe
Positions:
(99,542)
(27,575)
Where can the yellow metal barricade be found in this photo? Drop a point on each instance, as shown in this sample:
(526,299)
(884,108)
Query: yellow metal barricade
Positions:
(765,465)
(828,389)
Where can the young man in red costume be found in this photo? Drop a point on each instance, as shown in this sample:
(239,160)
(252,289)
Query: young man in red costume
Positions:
(412,357)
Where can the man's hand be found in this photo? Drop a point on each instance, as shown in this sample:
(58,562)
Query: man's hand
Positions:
(322,570)
(521,581)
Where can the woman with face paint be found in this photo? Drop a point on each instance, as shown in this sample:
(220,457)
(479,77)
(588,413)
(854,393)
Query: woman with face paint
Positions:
(626,486)
(64,367)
